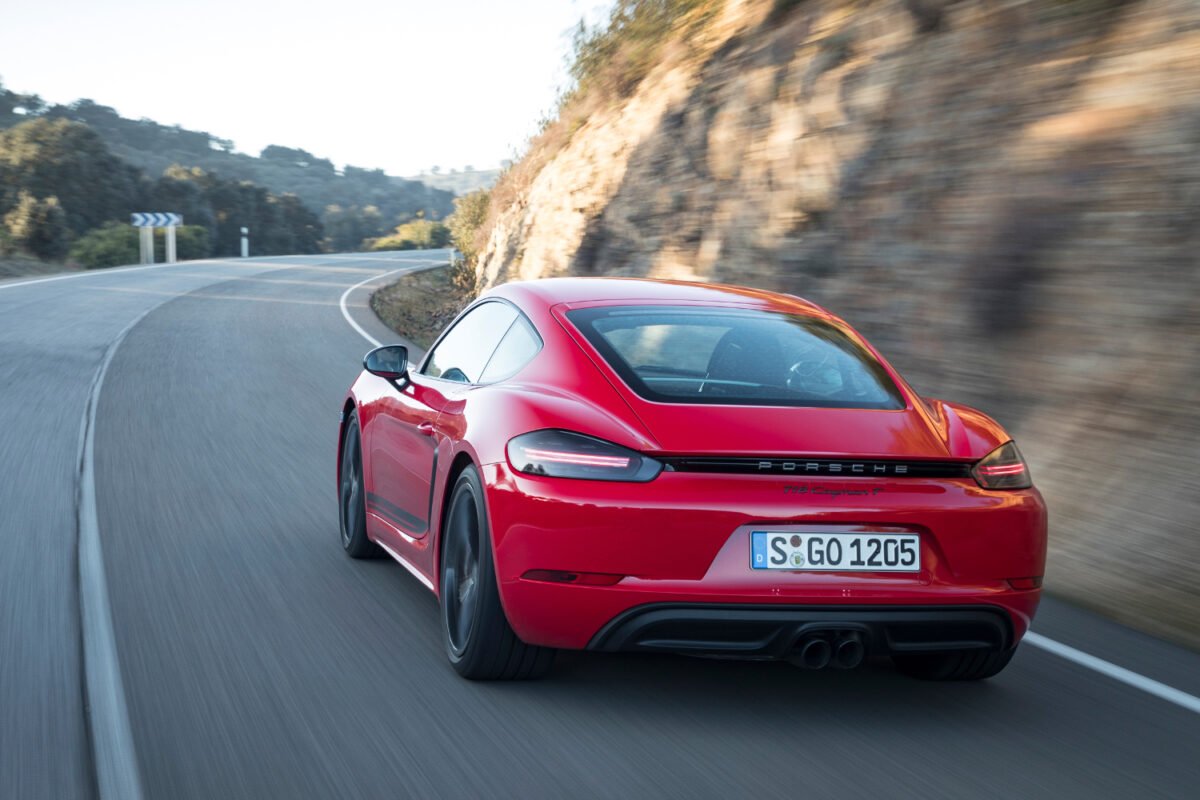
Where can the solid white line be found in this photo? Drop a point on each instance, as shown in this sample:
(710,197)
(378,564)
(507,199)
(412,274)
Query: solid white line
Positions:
(115,761)
(346,295)
(95,272)
(1128,677)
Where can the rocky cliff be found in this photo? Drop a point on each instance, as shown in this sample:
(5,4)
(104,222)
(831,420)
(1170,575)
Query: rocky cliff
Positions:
(1004,195)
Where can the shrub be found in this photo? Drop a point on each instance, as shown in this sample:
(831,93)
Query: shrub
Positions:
(191,242)
(111,245)
(419,234)
(470,213)
(613,58)
(115,244)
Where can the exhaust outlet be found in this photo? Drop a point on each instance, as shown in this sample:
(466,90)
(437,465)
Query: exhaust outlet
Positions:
(849,652)
(814,653)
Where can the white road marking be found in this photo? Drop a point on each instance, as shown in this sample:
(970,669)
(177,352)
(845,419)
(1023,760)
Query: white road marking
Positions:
(346,295)
(1125,676)
(94,272)
(115,761)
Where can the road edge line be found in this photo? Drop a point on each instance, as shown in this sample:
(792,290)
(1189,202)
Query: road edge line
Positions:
(346,296)
(1126,676)
(114,759)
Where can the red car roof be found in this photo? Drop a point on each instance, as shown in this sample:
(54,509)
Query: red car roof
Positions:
(553,291)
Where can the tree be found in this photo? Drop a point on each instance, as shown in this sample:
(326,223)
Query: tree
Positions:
(470,213)
(346,228)
(39,226)
(67,160)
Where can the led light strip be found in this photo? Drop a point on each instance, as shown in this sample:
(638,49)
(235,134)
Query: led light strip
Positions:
(577,459)
(1002,469)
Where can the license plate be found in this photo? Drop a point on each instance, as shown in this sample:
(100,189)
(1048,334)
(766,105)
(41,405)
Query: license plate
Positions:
(835,552)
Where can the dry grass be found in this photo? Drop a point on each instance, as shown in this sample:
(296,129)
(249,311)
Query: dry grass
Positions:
(421,305)
(608,65)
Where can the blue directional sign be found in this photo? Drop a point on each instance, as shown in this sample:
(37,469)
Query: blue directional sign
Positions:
(156,220)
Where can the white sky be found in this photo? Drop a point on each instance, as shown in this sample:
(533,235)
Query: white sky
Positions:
(395,84)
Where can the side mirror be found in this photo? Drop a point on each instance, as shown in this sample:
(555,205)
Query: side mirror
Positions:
(389,361)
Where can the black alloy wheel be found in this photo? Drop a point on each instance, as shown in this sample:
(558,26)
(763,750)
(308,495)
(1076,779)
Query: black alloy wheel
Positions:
(352,506)
(480,642)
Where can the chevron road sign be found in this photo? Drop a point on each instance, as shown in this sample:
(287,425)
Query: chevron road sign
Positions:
(156,220)
(146,223)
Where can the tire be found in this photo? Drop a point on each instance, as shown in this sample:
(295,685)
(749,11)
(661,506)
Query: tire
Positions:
(352,505)
(479,641)
(958,665)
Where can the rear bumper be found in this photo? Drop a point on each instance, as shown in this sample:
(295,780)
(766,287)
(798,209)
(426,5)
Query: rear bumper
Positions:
(682,542)
(757,631)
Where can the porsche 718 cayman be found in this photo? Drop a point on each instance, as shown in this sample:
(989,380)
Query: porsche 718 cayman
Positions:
(629,465)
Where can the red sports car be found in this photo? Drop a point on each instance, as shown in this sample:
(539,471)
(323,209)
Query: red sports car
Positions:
(632,465)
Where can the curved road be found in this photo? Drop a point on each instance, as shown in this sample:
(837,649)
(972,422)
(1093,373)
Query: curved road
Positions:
(256,660)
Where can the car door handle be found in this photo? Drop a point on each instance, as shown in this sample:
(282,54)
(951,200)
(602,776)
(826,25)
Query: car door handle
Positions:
(425,429)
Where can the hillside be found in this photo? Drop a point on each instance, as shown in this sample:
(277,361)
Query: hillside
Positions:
(1005,197)
(458,182)
(154,148)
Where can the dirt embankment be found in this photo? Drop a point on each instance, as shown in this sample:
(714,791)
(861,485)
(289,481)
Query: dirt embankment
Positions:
(1004,196)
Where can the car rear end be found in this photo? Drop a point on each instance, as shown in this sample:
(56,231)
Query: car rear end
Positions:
(801,502)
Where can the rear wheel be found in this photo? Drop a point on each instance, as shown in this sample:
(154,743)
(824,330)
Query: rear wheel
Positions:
(479,641)
(957,665)
(352,506)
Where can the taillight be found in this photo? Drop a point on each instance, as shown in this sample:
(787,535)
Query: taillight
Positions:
(563,454)
(1003,468)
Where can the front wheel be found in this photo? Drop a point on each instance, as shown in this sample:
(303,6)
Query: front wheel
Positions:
(480,643)
(957,665)
(352,506)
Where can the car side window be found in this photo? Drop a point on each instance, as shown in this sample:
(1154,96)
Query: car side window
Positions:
(517,348)
(462,353)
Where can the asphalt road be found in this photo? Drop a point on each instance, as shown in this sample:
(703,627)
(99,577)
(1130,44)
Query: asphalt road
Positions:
(258,661)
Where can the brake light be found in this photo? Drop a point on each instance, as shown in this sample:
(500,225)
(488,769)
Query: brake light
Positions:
(564,454)
(1003,468)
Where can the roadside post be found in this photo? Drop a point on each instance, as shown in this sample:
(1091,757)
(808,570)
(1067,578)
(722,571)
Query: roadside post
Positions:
(146,244)
(146,222)
(245,242)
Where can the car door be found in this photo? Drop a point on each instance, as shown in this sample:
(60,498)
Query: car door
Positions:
(405,438)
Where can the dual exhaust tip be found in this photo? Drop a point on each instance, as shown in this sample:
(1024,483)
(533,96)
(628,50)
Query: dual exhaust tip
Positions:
(841,651)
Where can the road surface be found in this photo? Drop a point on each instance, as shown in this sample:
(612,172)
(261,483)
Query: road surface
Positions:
(252,659)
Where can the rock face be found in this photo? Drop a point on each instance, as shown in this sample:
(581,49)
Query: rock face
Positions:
(1004,196)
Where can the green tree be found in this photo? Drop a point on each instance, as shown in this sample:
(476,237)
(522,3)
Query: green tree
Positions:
(67,160)
(470,213)
(346,228)
(184,191)
(39,226)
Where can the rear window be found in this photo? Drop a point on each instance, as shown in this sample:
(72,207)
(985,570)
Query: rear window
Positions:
(678,354)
